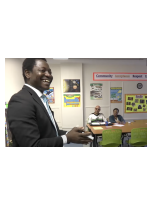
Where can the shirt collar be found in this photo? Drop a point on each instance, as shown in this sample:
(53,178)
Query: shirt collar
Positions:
(36,90)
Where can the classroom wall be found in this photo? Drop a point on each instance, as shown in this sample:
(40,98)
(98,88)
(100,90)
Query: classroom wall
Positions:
(70,117)
(13,77)
(73,116)
(137,66)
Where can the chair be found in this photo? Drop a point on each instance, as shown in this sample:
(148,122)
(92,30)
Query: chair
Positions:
(8,134)
(111,138)
(138,137)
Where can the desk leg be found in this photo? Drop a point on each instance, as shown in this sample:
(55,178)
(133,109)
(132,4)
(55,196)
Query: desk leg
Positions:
(122,137)
(95,144)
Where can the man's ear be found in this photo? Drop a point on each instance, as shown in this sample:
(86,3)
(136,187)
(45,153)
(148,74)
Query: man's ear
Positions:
(27,73)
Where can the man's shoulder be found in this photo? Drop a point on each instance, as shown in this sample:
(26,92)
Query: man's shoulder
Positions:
(101,114)
(22,94)
(91,114)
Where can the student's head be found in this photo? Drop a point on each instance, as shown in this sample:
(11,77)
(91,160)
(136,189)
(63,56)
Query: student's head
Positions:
(36,72)
(115,111)
(97,109)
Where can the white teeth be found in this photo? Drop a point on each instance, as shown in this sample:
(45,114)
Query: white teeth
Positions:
(46,81)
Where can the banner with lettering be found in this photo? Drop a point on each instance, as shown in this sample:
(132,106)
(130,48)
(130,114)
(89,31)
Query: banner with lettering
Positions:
(119,76)
(71,100)
(135,103)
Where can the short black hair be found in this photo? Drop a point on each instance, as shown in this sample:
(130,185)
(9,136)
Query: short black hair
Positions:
(116,109)
(29,64)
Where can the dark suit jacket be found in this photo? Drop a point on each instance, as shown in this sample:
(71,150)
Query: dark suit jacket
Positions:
(29,121)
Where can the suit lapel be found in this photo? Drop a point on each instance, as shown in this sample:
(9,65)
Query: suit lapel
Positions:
(37,99)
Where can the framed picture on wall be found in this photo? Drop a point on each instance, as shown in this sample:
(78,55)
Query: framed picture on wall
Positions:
(96,91)
(71,100)
(50,95)
(116,95)
(71,85)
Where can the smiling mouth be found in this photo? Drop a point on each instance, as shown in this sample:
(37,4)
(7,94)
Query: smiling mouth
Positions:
(46,80)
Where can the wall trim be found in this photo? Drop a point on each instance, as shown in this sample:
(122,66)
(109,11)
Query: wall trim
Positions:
(100,106)
(68,127)
(135,119)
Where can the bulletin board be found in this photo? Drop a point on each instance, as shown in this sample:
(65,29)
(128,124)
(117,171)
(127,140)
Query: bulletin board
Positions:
(135,103)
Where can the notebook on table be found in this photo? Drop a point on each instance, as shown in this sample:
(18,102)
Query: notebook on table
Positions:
(99,123)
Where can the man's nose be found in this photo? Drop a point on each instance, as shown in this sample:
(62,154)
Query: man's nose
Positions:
(47,73)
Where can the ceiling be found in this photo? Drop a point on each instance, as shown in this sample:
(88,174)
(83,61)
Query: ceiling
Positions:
(87,60)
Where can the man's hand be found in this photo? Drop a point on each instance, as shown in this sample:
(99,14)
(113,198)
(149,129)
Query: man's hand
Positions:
(76,136)
(121,122)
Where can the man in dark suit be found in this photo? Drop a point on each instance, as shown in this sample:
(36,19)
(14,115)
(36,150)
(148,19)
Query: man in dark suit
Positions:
(28,115)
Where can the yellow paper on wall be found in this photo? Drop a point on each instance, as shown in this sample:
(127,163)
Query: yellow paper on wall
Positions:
(97,128)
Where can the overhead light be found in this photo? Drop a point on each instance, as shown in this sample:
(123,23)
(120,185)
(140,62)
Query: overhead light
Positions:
(60,58)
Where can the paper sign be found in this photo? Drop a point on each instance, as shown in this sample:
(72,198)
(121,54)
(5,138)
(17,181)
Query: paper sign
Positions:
(119,125)
(95,123)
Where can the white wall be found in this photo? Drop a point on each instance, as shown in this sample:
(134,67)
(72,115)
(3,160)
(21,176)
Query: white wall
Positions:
(72,116)
(13,77)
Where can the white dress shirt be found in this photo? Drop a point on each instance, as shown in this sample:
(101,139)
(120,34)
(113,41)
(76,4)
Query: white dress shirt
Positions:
(39,95)
(117,120)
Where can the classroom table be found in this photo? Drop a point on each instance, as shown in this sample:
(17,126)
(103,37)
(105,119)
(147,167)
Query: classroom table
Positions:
(125,129)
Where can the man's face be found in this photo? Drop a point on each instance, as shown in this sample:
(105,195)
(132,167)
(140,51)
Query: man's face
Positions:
(40,77)
(97,110)
(115,113)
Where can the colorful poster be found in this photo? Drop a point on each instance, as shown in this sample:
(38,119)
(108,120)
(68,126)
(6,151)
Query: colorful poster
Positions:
(71,100)
(50,95)
(95,91)
(135,103)
(116,95)
(71,85)
(119,76)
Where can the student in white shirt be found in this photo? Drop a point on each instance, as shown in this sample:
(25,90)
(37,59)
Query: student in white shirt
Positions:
(97,116)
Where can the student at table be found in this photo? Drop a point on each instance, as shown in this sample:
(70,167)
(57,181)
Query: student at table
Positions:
(97,116)
(115,118)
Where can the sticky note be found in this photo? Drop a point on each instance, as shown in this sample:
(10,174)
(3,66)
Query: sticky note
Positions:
(97,128)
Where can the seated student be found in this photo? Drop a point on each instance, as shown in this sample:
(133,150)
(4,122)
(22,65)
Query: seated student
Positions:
(115,118)
(97,116)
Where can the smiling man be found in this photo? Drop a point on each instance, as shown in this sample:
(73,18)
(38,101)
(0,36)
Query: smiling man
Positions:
(31,121)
